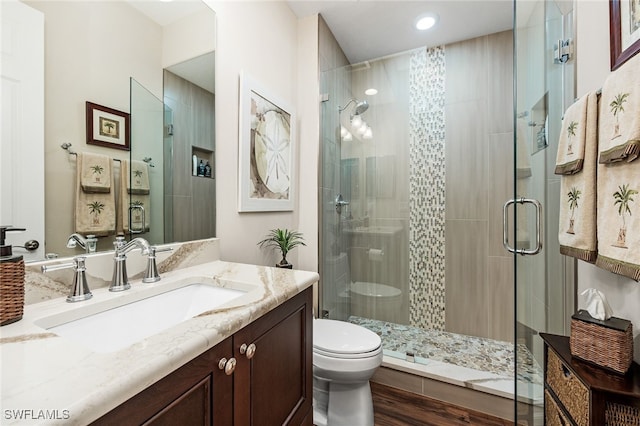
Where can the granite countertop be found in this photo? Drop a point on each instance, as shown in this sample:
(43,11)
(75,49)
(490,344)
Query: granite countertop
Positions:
(47,379)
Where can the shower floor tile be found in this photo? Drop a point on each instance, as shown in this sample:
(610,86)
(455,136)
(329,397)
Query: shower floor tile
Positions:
(471,352)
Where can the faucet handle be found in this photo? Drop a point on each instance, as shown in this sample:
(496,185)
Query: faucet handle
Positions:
(151,274)
(79,288)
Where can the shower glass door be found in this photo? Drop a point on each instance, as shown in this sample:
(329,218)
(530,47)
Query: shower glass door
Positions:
(544,289)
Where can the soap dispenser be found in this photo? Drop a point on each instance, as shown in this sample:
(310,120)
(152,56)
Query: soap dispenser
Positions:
(11,280)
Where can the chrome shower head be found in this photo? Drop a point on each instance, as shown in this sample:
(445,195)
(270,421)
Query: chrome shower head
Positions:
(361,106)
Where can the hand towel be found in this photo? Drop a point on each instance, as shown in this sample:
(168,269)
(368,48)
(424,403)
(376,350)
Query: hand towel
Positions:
(136,219)
(95,213)
(619,218)
(620,114)
(578,224)
(577,128)
(96,172)
(138,179)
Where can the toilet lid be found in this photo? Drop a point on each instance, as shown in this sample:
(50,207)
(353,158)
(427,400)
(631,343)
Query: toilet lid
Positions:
(374,289)
(341,337)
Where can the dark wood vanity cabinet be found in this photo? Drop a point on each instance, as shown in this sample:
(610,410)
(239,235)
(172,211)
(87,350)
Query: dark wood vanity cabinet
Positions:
(270,385)
(578,393)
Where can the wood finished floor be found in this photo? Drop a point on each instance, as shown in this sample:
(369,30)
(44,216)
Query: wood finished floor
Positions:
(395,407)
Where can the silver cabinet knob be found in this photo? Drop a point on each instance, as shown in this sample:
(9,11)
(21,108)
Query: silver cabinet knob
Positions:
(228,365)
(249,351)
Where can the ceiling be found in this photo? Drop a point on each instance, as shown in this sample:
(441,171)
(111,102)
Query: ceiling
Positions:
(368,29)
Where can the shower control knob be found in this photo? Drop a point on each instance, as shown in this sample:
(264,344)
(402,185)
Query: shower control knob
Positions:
(249,351)
(228,365)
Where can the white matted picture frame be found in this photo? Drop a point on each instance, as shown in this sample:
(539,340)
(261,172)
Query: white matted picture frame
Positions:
(267,150)
(107,127)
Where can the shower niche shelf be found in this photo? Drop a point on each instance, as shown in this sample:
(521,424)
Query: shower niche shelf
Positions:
(206,156)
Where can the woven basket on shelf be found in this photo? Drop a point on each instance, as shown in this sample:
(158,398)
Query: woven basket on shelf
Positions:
(11,291)
(608,343)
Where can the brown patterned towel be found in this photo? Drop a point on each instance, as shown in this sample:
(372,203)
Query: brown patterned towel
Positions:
(577,129)
(96,172)
(577,230)
(132,220)
(619,218)
(95,213)
(619,120)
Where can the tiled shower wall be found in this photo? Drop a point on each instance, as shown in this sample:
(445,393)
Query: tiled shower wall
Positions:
(427,188)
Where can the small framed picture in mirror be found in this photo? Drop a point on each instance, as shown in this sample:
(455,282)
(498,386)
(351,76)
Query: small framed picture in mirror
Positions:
(107,127)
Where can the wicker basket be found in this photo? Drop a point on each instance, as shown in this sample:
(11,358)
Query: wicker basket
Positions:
(11,291)
(608,343)
(621,415)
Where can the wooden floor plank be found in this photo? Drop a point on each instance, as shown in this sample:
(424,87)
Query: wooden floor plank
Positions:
(395,407)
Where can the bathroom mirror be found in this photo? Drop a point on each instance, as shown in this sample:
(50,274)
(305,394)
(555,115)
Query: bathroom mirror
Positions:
(115,54)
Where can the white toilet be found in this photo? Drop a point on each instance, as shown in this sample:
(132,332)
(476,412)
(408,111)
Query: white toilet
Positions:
(345,356)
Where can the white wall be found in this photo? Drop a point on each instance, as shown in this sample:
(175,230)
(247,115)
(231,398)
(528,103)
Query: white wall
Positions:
(265,40)
(592,55)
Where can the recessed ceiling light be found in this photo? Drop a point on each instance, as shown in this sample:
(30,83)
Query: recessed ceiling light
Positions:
(425,22)
(371,92)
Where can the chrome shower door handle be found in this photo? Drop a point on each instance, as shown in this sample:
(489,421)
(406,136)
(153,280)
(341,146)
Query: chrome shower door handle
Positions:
(340,203)
(505,226)
(140,230)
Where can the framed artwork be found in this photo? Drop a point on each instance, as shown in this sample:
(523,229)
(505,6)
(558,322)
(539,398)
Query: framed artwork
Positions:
(624,28)
(267,150)
(107,127)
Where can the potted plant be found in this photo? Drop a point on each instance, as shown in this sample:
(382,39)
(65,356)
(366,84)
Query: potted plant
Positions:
(286,241)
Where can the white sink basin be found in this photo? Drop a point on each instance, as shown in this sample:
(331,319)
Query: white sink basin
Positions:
(116,328)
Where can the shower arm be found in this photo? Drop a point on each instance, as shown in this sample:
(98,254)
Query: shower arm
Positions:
(346,105)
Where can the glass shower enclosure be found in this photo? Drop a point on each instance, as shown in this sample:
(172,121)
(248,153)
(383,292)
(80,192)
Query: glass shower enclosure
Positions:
(416,182)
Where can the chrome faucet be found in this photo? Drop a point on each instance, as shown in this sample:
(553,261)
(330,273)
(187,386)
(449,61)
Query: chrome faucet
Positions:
(88,243)
(120,280)
(151,274)
(79,288)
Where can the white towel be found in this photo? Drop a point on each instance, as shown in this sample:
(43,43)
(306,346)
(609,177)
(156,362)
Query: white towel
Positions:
(138,179)
(96,172)
(577,228)
(578,128)
(139,216)
(95,213)
(619,120)
(619,218)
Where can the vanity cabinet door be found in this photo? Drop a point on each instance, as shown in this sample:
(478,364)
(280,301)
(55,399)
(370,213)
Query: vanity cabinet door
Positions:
(198,393)
(273,378)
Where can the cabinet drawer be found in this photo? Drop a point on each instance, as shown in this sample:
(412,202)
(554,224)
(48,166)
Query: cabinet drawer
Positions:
(571,392)
(552,413)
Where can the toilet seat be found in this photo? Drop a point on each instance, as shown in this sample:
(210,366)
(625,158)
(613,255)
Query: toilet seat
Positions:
(339,339)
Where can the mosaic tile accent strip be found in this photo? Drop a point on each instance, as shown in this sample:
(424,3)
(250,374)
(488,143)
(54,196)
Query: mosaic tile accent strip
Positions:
(478,353)
(427,188)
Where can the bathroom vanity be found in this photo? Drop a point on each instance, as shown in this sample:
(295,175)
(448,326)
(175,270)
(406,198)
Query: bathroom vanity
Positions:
(246,360)
(234,382)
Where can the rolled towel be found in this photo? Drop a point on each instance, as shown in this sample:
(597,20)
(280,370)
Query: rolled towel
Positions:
(578,224)
(577,128)
(619,120)
(138,179)
(95,172)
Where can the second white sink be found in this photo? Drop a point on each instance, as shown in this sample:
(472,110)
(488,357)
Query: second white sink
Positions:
(119,327)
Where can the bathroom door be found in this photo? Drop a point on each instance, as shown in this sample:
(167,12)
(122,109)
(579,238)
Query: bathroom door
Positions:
(544,281)
(22,145)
